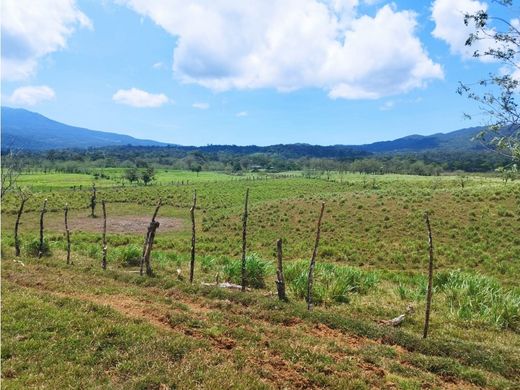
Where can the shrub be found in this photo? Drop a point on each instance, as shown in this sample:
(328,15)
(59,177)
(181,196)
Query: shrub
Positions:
(256,271)
(32,247)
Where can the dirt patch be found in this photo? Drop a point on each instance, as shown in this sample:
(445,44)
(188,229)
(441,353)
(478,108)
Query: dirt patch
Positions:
(123,224)
(350,340)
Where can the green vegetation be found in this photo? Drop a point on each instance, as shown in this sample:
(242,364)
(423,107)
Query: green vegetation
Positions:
(116,329)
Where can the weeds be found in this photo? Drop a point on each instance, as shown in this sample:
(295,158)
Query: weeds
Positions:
(332,283)
(480,298)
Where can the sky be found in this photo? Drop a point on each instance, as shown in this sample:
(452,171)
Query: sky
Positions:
(245,72)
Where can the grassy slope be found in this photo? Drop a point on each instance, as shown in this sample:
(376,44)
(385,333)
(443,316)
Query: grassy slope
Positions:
(70,325)
(115,329)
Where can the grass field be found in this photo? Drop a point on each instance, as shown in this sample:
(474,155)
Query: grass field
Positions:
(64,325)
(109,177)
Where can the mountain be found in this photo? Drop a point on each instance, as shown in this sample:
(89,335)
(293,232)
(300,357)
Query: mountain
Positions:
(23,129)
(455,141)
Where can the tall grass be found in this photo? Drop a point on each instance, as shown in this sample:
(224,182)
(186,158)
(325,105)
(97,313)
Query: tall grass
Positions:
(257,270)
(477,297)
(332,283)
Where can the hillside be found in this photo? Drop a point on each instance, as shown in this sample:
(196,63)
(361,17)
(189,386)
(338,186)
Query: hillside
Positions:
(28,130)
(23,129)
(458,140)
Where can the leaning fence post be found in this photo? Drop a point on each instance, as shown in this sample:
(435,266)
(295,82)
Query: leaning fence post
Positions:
(310,279)
(148,242)
(42,213)
(192,213)
(67,232)
(430,276)
(23,198)
(244,241)
(104,259)
(280,282)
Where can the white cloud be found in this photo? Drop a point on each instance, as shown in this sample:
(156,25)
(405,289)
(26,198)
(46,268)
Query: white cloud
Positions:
(292,44)
(448,16)
(31,95)
(241,114)
(200,106)
(138,98)
(159,65)
(32,29)
(388,105)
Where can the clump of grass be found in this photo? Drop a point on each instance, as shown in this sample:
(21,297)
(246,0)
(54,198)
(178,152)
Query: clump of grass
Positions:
(167,258)
(332,283)
(481,298)
(129,255)
(32,248)
(256,271)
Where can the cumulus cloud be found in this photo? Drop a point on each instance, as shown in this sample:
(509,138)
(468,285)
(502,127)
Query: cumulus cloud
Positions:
(31,95)
(241,113)
(292,44)
(200,106)
(448,16)
(33,29)
(138,98)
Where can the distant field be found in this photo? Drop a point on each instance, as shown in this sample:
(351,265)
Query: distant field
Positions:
(45,181)
(371,265)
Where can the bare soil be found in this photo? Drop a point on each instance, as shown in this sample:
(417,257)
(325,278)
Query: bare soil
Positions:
(123,224)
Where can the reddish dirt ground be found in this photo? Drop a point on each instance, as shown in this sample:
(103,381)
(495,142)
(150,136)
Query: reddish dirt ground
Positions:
(123,224)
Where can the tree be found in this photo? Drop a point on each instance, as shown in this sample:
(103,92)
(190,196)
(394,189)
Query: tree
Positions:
(131,175)
(11,170)
(148,175)
(197,168)
(496,95)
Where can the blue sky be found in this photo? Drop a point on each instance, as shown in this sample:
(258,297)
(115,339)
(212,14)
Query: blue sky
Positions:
(257,72)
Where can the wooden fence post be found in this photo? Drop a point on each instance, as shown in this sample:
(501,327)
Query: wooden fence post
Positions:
(148,242)
(42,213)
(244,241)
(310,279)
(23,198)
(280,282)
(430,276)
(67,231)
(93,197)
(192,213)
(104,259)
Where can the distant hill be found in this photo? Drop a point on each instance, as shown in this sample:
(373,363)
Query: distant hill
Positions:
(23,129)
(455,141)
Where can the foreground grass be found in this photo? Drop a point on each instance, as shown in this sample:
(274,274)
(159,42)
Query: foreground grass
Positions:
(63,326)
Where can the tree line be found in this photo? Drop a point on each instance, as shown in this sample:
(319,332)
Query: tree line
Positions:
(140,161)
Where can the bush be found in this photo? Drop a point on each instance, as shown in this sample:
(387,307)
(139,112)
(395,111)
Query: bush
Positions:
(332,283)
(256,271)
(32,248)
(130,255)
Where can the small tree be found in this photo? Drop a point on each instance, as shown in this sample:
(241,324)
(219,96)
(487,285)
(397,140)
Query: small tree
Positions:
(496,94)
(148,175)
(11,170)
(132,175)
